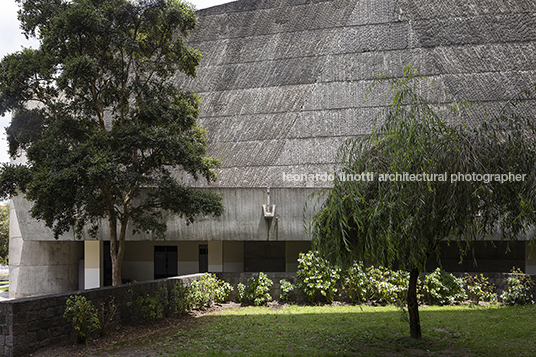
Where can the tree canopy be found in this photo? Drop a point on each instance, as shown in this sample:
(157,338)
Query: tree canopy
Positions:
(450,183)
(100,120)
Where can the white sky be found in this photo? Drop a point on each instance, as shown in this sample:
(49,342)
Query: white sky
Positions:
(11,40)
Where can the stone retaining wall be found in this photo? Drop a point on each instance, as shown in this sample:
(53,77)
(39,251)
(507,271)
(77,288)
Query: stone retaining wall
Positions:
(28,324)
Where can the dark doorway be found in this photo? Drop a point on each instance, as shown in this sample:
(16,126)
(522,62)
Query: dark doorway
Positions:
(165,261)
(107,263)
(203,258)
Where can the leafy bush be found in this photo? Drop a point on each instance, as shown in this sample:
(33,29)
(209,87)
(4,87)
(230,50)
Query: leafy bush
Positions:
(209,290)
(151,307)
(241,292)
(443,288)
(519,288)
(257,290)
(181,299)
(223,291)
(385,285)
(356,281)
(316,276)
(286,289)
(479,288)
(83,316)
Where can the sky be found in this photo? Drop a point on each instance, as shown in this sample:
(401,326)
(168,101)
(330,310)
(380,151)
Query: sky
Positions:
(11,40)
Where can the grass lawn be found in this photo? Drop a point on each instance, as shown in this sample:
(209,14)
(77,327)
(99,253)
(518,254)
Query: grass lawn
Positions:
(347,330)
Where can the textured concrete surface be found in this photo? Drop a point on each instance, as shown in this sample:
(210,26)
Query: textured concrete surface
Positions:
(284,81)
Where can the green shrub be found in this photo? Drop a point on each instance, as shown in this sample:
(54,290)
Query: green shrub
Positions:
(202,291)
(479,289)
(443,288)
(355,281)
(151,307)
(519,289)
(222,292)
(241,292)
(181,299)
(316,276)
(257,290)
(209,290)
(385,286)
(83,316)
(286,289)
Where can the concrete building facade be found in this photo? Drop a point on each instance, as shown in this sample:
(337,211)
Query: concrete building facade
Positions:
(283,84)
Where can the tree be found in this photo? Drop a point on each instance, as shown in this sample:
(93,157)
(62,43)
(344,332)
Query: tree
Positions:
(403,219)
(101,122)
(4,234)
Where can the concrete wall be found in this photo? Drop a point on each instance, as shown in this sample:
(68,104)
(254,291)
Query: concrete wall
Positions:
(243,219)
(44,267)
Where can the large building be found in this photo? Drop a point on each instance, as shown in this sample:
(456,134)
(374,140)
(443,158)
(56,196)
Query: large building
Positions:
(284,84)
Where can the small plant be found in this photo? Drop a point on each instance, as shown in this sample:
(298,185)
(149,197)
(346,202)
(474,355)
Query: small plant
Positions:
(106,314)
(286,289)
(480,289)
(209,289)
(519,288)
(356,281)
(151,308)
(241,292)
(180,298)
(83,316)
(257,290)
(443,288)
(222,292)
(316,276)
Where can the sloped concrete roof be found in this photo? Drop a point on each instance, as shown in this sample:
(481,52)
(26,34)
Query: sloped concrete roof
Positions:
(284,81)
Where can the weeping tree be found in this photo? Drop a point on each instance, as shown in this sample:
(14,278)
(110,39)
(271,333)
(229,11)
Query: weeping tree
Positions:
(101,121)
(435,178)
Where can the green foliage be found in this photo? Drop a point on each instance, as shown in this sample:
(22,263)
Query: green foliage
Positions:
(520,289)
(208,290)
(152,307)
(241,292)
(479,289)
(223,290)
(316,276)
(181,298)
(110,121)
(83,315)
(4,234)
(356,281)
(385,285)
(286,289)
(443,288)
(257,290)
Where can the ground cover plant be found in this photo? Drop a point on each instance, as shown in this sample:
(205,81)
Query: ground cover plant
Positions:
(345,330)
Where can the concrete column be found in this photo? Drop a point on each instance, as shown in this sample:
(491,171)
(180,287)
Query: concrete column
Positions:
(215,256)
(92,264)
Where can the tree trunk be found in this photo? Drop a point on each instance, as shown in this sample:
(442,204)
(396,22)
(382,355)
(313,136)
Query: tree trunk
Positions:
(117,248)
(413,305)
